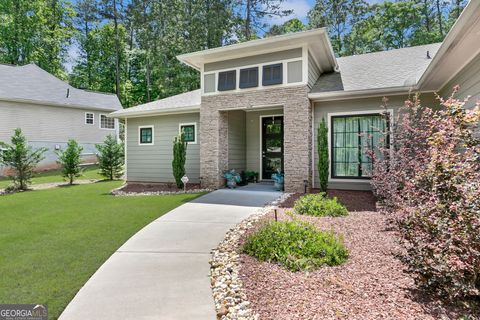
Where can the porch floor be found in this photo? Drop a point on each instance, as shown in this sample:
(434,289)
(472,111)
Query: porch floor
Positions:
(260,186)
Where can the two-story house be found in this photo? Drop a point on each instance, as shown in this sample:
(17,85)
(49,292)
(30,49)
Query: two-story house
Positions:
(50,112)
(261,102)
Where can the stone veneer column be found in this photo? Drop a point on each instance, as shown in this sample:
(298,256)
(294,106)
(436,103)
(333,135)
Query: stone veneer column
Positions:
(297,118)
(297,132)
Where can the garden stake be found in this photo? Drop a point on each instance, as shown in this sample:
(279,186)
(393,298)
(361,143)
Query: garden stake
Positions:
(275,210)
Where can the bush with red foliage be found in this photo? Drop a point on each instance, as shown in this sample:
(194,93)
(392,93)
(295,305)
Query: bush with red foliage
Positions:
(429,181)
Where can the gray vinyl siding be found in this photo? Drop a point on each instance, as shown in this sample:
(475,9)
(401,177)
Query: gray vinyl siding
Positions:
(254,136)
(294,71)
(50,124)
(236,141)
(50,127)
(153,163)
(313,71)
(252,60)
(469,81)
(322,109)
(209,83)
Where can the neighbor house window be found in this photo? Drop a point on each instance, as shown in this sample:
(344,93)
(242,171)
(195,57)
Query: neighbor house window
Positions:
(106,122)
(227,80)
(189,132)
(272,74)
(353,138)
(145,135)
(89,118)
(248,78)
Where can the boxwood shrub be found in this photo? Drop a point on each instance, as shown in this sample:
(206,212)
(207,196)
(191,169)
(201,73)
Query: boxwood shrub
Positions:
(296,245)
(319,205)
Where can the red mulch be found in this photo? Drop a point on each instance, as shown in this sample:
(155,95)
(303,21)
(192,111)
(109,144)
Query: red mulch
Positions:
(372,284)
(157,187)
(353,200)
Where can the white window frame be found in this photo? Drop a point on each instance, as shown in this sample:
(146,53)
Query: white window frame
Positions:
(93,118)
(189,124)
(100,122)
(351,113)
(139,135)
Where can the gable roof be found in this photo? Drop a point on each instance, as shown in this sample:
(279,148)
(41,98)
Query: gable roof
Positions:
(398,68)
(30,83)
(180,103)
(315,40)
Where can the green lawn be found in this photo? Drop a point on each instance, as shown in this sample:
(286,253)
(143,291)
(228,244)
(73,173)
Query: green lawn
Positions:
(90,172)
(52,241)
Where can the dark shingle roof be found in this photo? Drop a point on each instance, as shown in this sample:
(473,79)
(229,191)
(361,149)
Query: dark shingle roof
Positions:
(30,82)
(385,69)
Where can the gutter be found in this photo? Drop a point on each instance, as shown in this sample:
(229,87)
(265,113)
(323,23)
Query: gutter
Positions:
(354,94)
(56,104)
(125,113)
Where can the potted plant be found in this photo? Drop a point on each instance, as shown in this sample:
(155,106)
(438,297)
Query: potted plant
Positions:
(278,180)
(232,178)
(252,176)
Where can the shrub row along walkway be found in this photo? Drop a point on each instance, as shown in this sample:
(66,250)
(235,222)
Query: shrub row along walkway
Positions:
(162,272)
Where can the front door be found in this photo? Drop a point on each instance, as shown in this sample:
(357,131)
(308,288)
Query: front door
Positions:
(272,145)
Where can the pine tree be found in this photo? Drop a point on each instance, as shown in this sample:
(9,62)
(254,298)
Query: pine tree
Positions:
(111,158)
(22,158)
(70,161)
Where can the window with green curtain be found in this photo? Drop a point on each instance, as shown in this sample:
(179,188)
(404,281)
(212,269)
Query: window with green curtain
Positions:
(353,136)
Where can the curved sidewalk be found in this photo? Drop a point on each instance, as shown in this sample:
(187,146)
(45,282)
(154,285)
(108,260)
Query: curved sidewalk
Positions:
(162,272)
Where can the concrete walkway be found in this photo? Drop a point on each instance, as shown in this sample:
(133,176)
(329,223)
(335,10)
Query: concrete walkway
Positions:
(162,272)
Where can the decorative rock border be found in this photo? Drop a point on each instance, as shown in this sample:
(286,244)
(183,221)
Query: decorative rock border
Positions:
(228,293)
(118,192)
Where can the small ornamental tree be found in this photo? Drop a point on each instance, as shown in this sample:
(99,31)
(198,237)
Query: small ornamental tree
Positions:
(429,181)
(322,141)
(111,158)
(179,159)
(70,161)
(22,158)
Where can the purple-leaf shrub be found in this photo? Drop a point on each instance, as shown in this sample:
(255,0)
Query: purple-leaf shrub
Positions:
(428,180)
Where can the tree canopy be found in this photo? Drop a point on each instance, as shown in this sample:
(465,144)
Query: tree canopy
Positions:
(129,47)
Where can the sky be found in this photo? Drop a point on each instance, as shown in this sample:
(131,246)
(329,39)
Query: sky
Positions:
(300,10)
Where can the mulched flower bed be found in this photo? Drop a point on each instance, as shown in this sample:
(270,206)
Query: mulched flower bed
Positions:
(353,200)
(140,189)
(372,284)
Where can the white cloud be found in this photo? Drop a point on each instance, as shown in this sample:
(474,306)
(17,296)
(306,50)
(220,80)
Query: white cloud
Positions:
(300,10)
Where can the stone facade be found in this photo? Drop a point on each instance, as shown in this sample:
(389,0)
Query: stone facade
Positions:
(297,132)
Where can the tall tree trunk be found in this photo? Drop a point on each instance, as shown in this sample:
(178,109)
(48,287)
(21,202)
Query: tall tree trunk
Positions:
(439,17)
(147,77)
(458,9)
(427,15)
(248,21)
(117,50)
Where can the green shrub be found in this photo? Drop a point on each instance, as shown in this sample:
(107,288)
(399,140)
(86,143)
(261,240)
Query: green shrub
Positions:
(70,160)
(179,159)
(322,145)
(296,245)
(111,158)
(319,205)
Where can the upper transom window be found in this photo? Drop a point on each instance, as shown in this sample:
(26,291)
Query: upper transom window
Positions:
(227,80)
(272,74)
(106,122)
(353,138)
(248,78)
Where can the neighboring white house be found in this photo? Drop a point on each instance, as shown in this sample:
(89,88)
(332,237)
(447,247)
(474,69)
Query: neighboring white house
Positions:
(50,112)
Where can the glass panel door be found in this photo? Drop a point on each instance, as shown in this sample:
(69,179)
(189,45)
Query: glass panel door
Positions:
(272,145)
